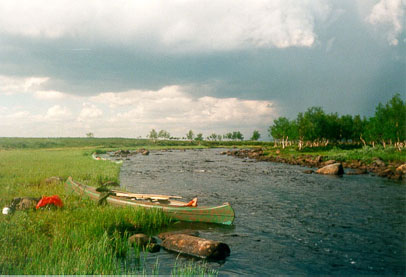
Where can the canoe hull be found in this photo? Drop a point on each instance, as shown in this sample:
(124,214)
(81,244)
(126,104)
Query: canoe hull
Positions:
(223,214)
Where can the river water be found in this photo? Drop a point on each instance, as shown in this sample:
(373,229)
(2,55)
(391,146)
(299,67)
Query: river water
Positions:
(287,222)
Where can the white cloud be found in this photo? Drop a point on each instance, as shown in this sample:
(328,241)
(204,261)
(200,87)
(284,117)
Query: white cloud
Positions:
(389,15)
(49,94)
(18,115)
(171,107)
(11,85)
(3,109)
(89,112)
(174,25)
(134,97)
(58,112)
(125,113)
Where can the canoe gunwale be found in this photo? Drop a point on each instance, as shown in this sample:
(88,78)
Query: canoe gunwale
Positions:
(222,214)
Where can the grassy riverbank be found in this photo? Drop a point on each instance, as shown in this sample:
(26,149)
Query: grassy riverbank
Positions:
(366,154)
(81,237)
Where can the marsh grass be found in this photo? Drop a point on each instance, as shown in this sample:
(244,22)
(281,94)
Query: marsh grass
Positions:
(81,237)
(193,269)
(117,143)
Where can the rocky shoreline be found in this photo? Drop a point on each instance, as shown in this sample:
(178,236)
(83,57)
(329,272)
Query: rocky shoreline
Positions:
(392,170)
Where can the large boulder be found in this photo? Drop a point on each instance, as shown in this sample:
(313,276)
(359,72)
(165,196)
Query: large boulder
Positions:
(195,246)
(331,169)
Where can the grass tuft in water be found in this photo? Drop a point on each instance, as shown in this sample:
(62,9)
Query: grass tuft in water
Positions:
(193,269)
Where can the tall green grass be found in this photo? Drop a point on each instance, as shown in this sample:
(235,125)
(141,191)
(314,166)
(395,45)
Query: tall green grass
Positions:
(25,169)
(193,269)
(368,154)
(81,237)
(365,154)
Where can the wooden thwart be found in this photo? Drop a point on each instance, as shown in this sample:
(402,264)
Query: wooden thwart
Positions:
(146,196)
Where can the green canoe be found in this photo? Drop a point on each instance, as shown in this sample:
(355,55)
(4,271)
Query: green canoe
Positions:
(222,214)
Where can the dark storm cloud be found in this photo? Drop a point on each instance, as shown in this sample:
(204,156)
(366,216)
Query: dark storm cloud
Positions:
(348,69)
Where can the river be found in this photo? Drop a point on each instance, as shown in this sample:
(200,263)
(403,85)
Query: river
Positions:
(287,222)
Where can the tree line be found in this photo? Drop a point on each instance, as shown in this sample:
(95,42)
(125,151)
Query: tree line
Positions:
(235,135)
(317,128)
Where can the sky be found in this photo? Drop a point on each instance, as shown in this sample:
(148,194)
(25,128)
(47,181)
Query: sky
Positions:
(119,68)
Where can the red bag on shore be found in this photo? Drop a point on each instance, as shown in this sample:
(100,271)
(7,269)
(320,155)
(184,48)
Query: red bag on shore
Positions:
(50,200)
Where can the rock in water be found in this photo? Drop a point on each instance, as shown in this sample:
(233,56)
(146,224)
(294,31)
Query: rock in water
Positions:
(332,169)
(195,246)
(141,240)
(401,169)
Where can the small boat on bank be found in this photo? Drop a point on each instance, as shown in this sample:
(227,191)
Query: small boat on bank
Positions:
(179,210)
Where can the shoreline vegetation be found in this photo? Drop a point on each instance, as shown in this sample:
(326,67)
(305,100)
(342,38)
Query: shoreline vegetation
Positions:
(378,161)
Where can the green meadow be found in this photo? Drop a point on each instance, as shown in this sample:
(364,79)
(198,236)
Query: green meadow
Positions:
(81,237)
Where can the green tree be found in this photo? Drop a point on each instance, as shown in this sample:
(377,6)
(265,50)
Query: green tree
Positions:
(391,118)
(153,134)
(164,134)
(190,135)
(228,136)
(346,125)
(90,135)
(213,136)
(317,123)
(280,128)
(358,129)
(236,135)
(199,137)
(255,135)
